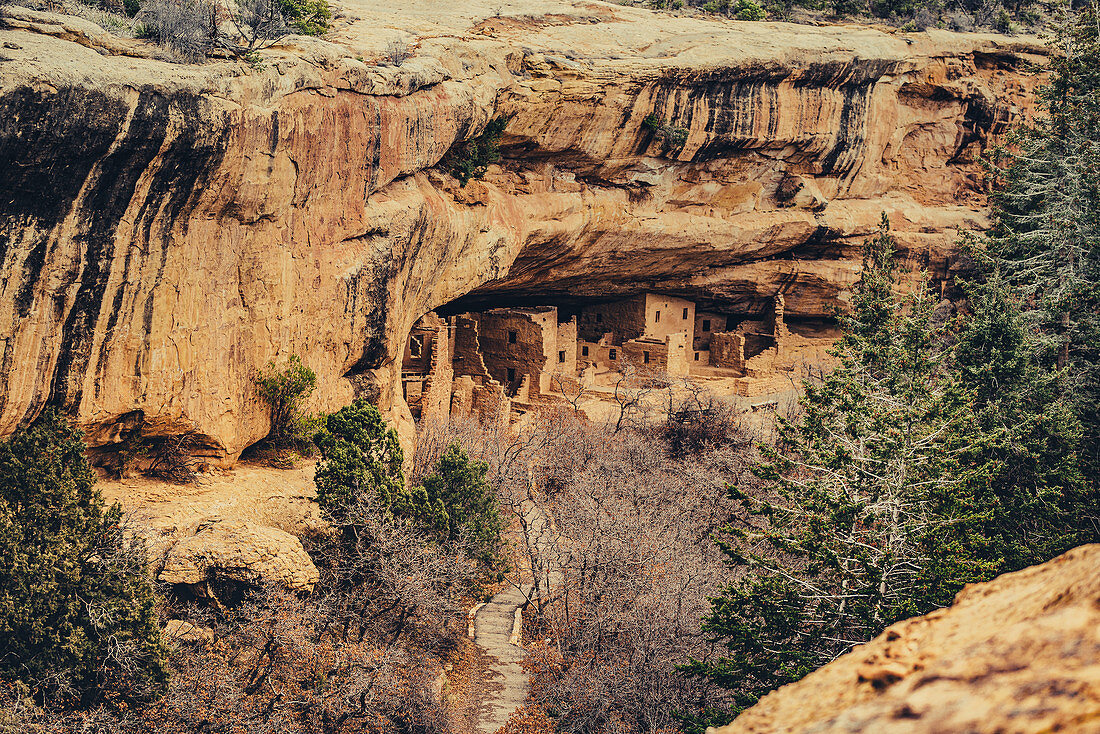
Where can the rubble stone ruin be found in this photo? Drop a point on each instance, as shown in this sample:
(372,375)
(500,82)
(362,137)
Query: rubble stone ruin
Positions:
(501,363)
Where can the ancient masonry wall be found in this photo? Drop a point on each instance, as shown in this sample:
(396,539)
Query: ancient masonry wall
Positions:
(566,356)
(435,400)
(467,355)
(727,349)
(625,319)
(670,355)
(518,342)
(665,315)
(715,324)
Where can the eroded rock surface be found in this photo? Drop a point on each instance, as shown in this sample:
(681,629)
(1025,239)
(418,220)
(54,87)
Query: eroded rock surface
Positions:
(1019,654)
(239,551)
(166,229)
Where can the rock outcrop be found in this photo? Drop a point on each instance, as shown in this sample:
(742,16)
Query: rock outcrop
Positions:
(239,551)
(1018,654)
(166,229)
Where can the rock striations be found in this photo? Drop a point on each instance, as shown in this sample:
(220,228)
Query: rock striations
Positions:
(1020,653)
(165,229)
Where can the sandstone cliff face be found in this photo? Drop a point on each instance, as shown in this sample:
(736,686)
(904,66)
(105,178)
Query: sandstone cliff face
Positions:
(1017,654)
(166,229)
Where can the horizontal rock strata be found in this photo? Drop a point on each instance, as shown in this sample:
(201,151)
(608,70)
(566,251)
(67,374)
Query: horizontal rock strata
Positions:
(166,229)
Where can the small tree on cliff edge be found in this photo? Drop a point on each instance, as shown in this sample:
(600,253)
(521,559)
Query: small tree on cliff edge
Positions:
(77,618)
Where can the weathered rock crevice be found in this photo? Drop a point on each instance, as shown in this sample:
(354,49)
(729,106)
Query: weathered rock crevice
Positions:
(165,230)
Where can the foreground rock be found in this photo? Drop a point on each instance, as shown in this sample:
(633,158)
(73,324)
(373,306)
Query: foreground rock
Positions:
(240,551)
(1019,654)
(169,228)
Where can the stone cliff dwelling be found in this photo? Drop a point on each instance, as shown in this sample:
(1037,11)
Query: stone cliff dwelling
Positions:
(500,363)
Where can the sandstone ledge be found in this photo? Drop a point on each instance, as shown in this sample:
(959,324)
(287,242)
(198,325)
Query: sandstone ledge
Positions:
(1019,654)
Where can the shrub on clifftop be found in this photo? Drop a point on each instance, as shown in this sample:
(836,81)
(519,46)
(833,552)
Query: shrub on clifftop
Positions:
(77,618)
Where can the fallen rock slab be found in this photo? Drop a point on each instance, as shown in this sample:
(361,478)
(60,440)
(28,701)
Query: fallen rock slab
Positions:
(1017,655)
(240,551)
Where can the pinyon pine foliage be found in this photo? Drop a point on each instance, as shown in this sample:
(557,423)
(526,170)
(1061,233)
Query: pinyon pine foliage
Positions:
(77,618)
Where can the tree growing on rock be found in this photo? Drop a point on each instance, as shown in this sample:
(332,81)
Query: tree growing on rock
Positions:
(77,619)
(284,389)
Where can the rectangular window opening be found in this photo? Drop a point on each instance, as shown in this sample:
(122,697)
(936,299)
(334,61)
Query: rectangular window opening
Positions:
(561,357)
(697,356)
(657,318)
(612,354)
(512,336)
(706,324)
(685,314)
(645,357)
(584,351)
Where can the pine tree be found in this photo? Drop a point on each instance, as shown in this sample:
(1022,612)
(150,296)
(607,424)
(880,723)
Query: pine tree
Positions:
(863,499)
(77,613)
(1046,237)
(1037,501)
(471,514)
(360,458)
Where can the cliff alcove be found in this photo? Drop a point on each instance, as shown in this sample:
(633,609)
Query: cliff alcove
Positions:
(168,229)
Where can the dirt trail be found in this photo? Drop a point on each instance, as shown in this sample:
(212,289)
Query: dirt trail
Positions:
(497,634)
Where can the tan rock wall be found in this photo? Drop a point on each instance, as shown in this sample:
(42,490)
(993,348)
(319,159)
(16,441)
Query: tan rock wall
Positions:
(167,229)
(1016,654)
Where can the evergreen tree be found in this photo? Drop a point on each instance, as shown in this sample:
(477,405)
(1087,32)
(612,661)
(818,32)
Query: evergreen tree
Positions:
(1046,237)
(470,511)
(867,513)
(360,458)
(77,615)
(1028,479)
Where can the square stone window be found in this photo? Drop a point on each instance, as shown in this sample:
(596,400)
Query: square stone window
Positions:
(584,351)
(561,357)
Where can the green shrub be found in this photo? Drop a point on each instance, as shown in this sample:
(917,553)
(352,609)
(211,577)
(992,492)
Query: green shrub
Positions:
(748,10)
(361,459)
(284,389)
(77,619)
(308,17)
(471,159)
(672,138)
(470,514)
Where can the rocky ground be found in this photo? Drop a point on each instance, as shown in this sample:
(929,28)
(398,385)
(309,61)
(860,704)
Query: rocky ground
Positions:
(1019,654)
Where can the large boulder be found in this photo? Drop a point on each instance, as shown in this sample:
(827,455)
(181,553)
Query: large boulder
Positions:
(1018,654)
(239,551)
